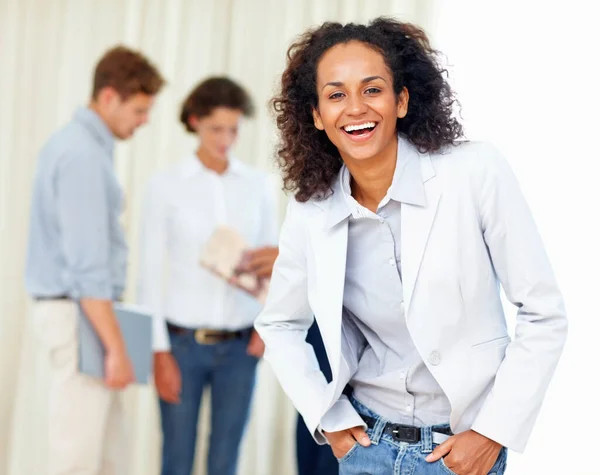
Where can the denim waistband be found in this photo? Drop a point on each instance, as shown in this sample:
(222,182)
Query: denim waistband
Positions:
(426,443)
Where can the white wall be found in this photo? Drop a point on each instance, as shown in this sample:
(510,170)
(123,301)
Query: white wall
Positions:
(527,76)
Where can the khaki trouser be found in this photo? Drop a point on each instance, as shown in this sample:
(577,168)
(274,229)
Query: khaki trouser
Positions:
(86,434)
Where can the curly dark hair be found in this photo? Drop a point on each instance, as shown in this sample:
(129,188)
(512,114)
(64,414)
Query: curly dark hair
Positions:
(307,158)
(212,93)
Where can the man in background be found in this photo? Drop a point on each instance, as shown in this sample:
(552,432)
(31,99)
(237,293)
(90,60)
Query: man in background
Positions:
(77,255)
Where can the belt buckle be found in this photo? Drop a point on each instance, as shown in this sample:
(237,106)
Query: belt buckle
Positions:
(406,433)
(205,337)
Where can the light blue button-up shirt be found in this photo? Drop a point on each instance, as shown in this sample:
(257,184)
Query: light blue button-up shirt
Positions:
(391,378)
(76,243)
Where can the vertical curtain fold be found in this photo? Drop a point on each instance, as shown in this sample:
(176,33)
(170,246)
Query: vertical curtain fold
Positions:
(47,53)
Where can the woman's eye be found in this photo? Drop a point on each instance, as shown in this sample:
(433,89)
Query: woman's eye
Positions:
(372,90)
(336,95)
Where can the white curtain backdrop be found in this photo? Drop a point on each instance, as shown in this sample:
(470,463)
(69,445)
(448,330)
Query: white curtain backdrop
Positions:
(526,74)
(48,49)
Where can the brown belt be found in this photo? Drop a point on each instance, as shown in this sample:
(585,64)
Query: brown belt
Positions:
(207,336)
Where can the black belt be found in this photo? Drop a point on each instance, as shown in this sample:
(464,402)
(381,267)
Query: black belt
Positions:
(42,298)
(51,297)
(208,336)
(402,433)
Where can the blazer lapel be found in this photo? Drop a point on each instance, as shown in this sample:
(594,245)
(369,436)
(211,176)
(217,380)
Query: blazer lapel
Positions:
(331,259)
(416,227)
(330,246)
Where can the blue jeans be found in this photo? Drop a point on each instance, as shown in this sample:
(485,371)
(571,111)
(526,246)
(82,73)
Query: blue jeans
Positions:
(386,456)
(230,373)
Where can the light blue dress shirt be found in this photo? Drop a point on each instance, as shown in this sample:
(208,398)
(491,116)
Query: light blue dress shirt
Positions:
(76,244)
(391,378)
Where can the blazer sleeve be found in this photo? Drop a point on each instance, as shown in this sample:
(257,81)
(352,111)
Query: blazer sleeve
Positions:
(517,252)
(284,322)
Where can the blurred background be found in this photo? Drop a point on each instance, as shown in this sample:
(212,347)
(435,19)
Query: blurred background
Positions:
(525,73)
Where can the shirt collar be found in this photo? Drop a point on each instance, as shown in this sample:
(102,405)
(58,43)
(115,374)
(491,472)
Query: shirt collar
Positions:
(97,127)
(407,185)
(192,165)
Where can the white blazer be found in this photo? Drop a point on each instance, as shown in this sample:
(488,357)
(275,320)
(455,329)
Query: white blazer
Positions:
(475,231)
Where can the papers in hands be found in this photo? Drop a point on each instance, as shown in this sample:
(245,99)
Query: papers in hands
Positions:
(223,254)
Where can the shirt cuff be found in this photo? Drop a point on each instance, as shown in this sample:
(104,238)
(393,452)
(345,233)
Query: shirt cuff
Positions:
(92,290)
(160,335)
(341,416)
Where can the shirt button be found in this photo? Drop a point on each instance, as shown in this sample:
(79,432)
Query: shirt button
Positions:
(434,358)
(392,262)
(381,221)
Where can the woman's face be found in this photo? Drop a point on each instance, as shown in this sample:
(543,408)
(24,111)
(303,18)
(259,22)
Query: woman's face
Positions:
(218,131)
(357,106)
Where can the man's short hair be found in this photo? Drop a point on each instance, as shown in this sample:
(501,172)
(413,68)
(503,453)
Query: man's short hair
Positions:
(128,72)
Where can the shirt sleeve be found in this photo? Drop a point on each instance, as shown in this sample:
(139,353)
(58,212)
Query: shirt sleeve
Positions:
(84,222)
(341,416)
(269,218)
(152,259)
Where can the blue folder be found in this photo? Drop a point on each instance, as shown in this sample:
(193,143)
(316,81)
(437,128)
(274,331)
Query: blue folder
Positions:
(136,328)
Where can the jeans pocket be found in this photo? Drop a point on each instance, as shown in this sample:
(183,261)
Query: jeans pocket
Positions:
(500,465)
(350,453)
(180,343)
(497,469)
(445,467)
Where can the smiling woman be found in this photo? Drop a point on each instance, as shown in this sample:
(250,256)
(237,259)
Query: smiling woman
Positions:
(357,109)
(397,65)
(395,242)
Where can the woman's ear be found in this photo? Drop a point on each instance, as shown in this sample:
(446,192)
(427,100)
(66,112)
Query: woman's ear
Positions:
(317,119)
(402,103)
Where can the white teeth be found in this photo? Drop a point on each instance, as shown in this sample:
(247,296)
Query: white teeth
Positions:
(366,125)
